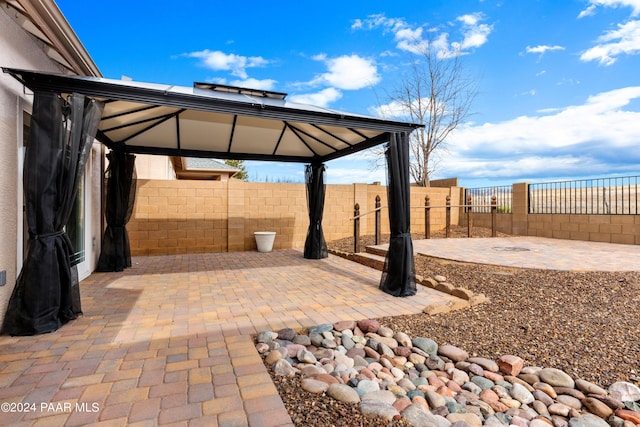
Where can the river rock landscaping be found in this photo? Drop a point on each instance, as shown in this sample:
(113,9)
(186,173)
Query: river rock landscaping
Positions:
(389,376)
(584,324)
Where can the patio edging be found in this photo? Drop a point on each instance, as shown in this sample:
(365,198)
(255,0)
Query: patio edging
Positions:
(467,297)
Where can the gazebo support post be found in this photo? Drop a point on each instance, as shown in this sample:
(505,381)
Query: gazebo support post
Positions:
(315,247)
(399,274)
(121,193)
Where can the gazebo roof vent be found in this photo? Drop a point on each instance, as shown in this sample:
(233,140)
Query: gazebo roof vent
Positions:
(240,90)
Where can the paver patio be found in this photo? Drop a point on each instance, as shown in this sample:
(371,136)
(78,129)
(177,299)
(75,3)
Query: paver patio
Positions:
(535,252)
(168,341)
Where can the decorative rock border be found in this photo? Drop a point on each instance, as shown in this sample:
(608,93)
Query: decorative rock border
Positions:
(391,375)
(439,283)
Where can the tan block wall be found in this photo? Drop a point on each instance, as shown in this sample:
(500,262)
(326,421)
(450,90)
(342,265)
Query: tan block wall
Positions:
(176,217)
(520,209)
(504,222)
(181,216)
(338,208)
(368,223)
(273,207)
(437,199)
(623,229)
(444,183)
(438,212)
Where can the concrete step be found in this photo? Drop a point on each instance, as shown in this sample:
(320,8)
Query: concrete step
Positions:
(377,250)
(370,260)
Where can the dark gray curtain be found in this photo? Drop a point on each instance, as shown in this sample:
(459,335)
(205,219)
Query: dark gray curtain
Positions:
(120,198)
(399,274)
(315,247)
(47,294)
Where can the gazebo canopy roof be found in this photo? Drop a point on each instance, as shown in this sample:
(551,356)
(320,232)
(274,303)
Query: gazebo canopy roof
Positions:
(217,121)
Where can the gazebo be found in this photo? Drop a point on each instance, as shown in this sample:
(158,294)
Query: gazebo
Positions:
(207,120)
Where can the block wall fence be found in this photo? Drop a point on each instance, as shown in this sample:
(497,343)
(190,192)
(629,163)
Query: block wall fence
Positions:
(624,229)
(181,216)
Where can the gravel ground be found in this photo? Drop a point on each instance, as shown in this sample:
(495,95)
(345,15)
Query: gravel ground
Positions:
(586,324)
(314,410)
(346,244)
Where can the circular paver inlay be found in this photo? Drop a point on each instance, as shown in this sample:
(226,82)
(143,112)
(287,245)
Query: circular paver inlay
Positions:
(510,249)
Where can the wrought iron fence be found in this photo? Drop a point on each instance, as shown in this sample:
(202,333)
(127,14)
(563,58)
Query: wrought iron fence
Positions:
(481,198)
(605,196)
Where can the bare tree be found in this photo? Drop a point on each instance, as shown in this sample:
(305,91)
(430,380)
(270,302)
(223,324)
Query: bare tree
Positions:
(437,93)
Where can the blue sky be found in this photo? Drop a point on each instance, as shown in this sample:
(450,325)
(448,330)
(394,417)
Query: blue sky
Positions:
(559,86)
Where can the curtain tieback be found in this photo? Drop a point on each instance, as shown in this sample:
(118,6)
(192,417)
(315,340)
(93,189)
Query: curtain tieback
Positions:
(110,228)
(401,235)
(44,236)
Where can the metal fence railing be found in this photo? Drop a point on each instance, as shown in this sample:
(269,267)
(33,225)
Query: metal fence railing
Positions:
(605,196)
(469,209)
(482,198)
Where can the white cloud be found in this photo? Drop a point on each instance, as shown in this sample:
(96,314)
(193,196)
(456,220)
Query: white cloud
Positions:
(409,34)
(388,53)
(348,171)
(589,11)
(542,49)
(347,72)
(469,19)
(598,136)
(320,99)
(612,100)
(398,110)
(359,168)
(220,61)
(379,20)
(393,109)
(219,80)
(266,84)
(412,45)
(409,38)
(475,33)
(594,4)
(442,47)
(624,40)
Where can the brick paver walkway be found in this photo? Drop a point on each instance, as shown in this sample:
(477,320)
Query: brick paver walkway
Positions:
(168,342)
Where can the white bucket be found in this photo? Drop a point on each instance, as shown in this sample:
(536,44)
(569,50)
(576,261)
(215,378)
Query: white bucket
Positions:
(264,240)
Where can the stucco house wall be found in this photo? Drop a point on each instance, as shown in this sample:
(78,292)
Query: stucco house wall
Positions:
(19,49)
